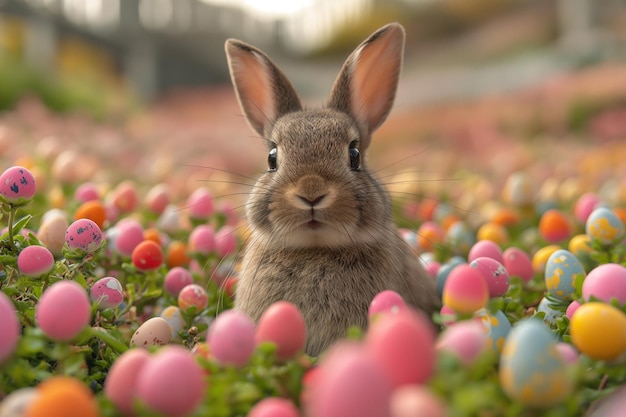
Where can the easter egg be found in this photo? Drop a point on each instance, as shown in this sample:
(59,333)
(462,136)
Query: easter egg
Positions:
(10,327)
(63,310)
(409,236)
(519,189)
(15,404)
(444,272)
(274,407)
(403,344)
(87,191)
(171,383)
(200,204)
(51,232)
(125,196)
(497,327)
(532,371)
(62,396)
(121,381)
(282,324)
(518,263)
(562,268)
(485,249)
(550,312)
(153,332)
(606,282)
(174,319)
(35,261)
(349,383)
(465,290)
(386,301)
(231,338)
(460,237)
(17,186)
(579,243)
(193,295)
(202,239)
(92,210)
(568,352)
(493,232)
(604,225)
(494,273)
(176,279)
(599,330)
(147,256)
(129,234)
(170,219)
(225,241)
(466,340)
(540,258)
(416,400)
(107,292)
(571,309)
(585,204)
(429,235)
(157,198)
(554,226)
(84,235)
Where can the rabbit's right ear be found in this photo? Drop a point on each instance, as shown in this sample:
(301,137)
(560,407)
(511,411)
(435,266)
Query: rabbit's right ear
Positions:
(263,91)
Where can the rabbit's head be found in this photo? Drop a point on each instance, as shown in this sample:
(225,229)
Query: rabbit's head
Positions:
(317,190)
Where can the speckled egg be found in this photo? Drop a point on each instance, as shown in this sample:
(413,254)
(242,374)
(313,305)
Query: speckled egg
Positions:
(561,271)
(495,274)
(107,292)
(17,186)
(604,225)
(532,370)
(153,332)
(83,235)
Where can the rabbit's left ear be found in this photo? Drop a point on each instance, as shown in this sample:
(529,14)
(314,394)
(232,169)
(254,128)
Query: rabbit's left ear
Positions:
(366,86)
(263,90)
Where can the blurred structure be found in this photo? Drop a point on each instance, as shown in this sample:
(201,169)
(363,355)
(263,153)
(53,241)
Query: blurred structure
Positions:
(157,44)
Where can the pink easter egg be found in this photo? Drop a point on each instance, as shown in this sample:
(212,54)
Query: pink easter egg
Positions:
(518,263)
(171,383)
(125,196)
(225,241)
(585,205)
(416,400)
(200,204)
(63,310)
(87,191)
(130,233)
(17,186)
(494,273)
(274,407)
(485,249)
(606,282)
(120,385)
(571,309)
(176,279)
(107,292)
(35,261)
(282,324)
(448,315)
(567,352)
(466,340)
(10,327)
(432,268)
(193,295)
(465,290)
(157,198)
(349,383)
(231,338)
(202,240)
(387,301)
(403,344)
(83,235)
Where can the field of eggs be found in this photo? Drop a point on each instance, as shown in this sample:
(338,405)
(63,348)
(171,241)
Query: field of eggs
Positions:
(119,260)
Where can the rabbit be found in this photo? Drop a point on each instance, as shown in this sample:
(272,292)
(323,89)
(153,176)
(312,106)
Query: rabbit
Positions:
(321,232)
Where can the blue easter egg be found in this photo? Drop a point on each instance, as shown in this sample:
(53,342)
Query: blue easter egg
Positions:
(460,237)
(604,225)
(497,326)
(562,268)
(550,313)
(174,319)
(532,371)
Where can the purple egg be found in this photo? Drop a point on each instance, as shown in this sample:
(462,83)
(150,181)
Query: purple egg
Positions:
(495,274)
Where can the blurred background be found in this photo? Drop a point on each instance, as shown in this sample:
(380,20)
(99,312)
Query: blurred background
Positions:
(140,87)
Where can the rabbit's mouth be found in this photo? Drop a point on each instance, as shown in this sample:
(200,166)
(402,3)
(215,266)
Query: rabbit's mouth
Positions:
(313,224)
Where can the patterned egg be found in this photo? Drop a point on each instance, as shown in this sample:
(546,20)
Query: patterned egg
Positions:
(460,237)
(604,225)
(551,314)
(193,295)
(497,326)
(495,274)
(83,235)
(17,186)
(532,370)
(174,319)
(107,292)
(519,189)
(561,271)
(153,332)
(541,257)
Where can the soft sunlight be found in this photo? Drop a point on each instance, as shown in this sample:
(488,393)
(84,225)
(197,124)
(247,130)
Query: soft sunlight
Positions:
(267,8)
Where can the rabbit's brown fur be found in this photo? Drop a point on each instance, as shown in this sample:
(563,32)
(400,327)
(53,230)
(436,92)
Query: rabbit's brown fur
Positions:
(322,236)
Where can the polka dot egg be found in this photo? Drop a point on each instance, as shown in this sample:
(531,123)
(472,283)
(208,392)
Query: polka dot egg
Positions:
(84,235)
(561,271)
(532,370)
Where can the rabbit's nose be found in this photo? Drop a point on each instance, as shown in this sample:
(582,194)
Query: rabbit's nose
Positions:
(312,201)
(312,191)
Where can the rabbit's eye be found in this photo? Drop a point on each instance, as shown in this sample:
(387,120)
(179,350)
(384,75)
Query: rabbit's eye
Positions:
(355,157)
(271,159)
